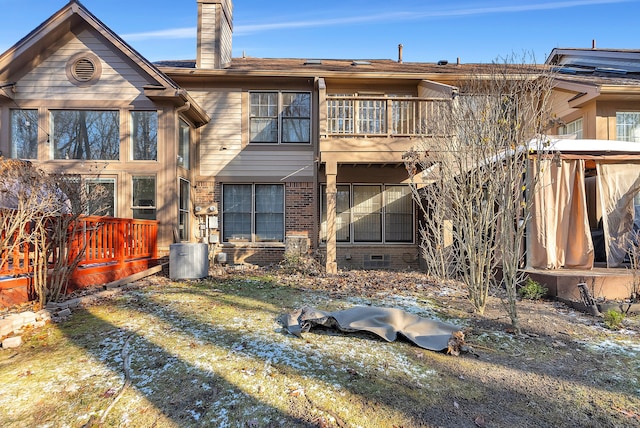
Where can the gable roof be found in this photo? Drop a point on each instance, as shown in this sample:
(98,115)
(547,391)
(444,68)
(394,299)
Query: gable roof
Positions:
(41,42)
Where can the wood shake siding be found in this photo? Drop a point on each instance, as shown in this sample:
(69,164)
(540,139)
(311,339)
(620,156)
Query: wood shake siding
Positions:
(49,79)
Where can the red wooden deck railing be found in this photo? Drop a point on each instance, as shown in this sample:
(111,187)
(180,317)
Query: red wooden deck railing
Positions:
(113,248)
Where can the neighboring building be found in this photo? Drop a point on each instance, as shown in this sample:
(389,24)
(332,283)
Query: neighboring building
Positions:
(245,153)
(597,100)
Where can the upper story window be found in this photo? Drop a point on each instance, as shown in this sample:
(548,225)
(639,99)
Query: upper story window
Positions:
(85,134)
(24,134)
(144,135)
(280,117)
(184,144)
(574,127)
(628,126)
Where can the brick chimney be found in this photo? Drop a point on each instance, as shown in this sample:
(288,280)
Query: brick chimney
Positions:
(215,28)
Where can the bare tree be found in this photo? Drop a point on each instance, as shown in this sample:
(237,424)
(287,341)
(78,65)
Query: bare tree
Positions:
(40,216)
(471,181)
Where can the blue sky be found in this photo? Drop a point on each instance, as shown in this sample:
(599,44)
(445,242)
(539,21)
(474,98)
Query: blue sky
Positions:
(430,30)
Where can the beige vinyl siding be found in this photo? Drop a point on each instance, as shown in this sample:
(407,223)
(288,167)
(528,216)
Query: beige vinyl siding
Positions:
(276,165)
(221,138)
(119,81)
(225,44)
(208,36)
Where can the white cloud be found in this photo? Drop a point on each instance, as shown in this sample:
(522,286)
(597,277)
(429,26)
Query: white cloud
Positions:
(171,33)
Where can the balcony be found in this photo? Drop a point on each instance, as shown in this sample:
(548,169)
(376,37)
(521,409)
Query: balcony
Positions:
(391,117)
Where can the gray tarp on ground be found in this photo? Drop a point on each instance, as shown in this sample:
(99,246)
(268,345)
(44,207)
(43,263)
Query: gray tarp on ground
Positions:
(384,322)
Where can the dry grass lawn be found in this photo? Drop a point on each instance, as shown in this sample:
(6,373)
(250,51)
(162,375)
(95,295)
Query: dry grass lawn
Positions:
(214,353)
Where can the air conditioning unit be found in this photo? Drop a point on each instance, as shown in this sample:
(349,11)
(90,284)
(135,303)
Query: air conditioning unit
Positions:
(188,261)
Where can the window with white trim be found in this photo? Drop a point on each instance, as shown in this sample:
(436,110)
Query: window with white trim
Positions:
(280,117)
(573,127)
(628,126)
(253,213)
(371,213)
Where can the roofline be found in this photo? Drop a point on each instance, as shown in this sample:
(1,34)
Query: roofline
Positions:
(222,73)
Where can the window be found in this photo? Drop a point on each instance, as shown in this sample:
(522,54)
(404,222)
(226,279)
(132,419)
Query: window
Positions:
(184,198)
(184,143)
(101,196)
(280,117)
(398,214)
(24,134)
(86,134)
(628,126)
(144,197)
(574,127)
(253,212)
(144,135)
(366,214)
(371,213)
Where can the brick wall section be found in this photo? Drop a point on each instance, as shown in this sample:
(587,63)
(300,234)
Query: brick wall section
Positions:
(401,257)
(205,193)
(300,219)
(300,215)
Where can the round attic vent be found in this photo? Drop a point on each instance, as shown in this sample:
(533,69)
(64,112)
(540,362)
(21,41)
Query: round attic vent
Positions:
(84,69)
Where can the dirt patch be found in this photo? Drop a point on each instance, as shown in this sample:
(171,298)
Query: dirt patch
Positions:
(213,353)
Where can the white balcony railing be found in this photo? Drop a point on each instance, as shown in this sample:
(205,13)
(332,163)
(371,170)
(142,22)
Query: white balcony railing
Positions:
(383,116)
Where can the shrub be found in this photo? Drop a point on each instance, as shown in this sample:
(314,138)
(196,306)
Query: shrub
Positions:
(532,290)
(613,319)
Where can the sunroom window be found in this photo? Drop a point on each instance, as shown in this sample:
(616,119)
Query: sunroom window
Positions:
(144,197)
(24,134)
(85,134)
(101,196)
(144,135)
